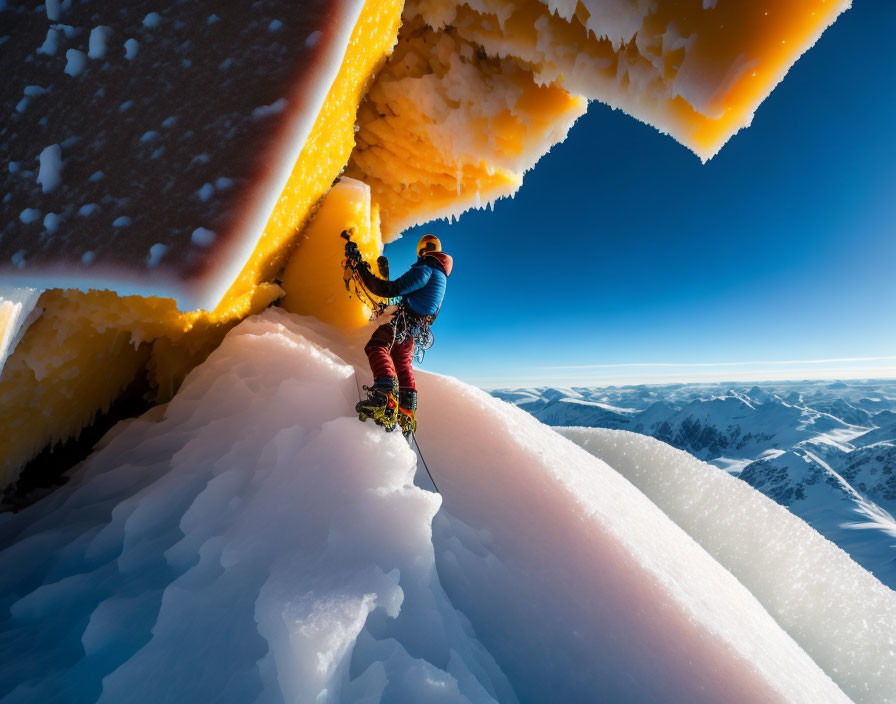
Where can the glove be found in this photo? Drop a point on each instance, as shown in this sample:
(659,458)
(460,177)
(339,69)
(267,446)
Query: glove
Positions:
(382,264)
(352,255)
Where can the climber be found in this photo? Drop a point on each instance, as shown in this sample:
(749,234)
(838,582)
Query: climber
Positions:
(392,346)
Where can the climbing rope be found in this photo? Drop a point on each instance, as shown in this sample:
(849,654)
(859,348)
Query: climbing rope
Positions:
(425,466)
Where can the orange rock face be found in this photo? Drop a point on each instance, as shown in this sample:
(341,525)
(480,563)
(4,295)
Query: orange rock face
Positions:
(162,168)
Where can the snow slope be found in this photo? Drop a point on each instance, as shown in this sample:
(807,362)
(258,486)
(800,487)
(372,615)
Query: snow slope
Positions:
(849,507)
(825,451)
(252,541)
(841,615)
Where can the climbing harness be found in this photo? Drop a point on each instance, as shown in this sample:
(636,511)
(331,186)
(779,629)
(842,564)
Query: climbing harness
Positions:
(407,324)
(423,460)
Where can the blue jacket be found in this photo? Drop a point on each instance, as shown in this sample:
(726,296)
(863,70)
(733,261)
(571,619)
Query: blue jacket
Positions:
(422,287)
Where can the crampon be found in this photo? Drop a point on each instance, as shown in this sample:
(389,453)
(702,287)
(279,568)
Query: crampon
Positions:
(382,408)
(407,422)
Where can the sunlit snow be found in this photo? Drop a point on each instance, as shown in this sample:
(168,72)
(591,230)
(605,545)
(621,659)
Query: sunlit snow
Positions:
(252,541)
(841,615)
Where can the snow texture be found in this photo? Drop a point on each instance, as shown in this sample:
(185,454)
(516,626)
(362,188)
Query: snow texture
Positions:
(839,613)
(245,544)
(825,451)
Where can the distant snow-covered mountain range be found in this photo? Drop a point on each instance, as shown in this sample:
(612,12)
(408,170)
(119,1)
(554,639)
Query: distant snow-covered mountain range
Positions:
(826,450)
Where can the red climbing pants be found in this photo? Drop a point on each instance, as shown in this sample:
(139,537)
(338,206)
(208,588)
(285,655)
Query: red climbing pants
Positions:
(391,359)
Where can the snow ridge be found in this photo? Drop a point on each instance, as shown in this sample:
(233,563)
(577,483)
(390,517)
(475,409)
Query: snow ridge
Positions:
(192,547)
(826,451)
(838,612)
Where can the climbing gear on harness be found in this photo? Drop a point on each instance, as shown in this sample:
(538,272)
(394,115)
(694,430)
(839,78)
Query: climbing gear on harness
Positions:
(428,244)
(381,404)
(406,323)
(352,279)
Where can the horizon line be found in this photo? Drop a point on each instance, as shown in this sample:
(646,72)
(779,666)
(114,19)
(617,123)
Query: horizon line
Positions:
(756,377)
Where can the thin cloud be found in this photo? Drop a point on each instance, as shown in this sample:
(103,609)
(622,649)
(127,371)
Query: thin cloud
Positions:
(666,375)
(690,365)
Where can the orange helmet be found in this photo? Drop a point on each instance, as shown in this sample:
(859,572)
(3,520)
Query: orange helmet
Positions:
(428,244)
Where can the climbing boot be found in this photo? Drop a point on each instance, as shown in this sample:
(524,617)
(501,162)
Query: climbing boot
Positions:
(407,411)
(381,404)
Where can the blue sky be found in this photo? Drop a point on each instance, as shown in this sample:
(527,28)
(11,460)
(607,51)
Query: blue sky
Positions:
(624,259)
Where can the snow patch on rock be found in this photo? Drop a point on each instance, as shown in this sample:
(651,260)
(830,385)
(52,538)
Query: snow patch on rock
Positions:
(202,237)
(29,215)
(76,61)
(156,252)
(97,44)
(18,310)
(268,110)
(52,7)
(49,176)
(51,43)
(130,49)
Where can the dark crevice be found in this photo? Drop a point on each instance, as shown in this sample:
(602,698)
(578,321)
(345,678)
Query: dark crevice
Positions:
(50,469)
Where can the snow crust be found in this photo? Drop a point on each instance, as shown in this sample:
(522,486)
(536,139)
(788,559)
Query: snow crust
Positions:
(17,312)
(836,610)
(253,541)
